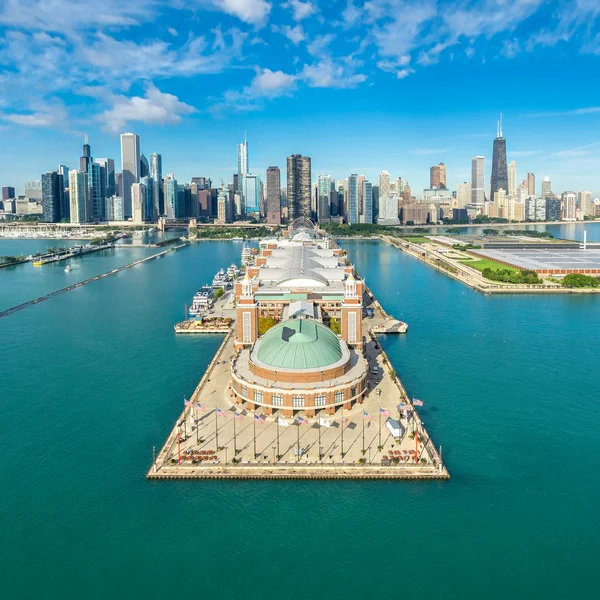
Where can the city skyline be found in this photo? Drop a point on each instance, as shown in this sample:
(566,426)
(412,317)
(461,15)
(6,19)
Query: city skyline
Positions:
(275,71)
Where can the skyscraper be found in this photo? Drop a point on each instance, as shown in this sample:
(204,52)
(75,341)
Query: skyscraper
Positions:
(437,176)
(110,185)
(53,190)
(352,214)
(463,194)
(512,178)
(384,185)
(243,166)
(569,200)
(251,193)
(97,184)
(499,178)
(324,198)
(144,167)
(78,196)
(170,197)
(86,159)
(477,181)
(130,167)
(367,194)
(148,213)
(531,184)
(546,187)
(273,196)
(157,188)
(298,186)
(8,193)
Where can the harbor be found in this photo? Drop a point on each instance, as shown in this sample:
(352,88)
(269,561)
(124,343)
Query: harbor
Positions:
(237,425)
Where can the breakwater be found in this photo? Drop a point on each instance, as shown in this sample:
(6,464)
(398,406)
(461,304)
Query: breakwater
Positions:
(79,284)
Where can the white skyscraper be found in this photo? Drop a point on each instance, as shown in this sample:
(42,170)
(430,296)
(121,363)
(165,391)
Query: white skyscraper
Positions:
(384,184)
(512,178)
(584,202)
(463,195)
(477,181)
(130,167)
(242,148)
(569,206)
(546,187)
(78,196)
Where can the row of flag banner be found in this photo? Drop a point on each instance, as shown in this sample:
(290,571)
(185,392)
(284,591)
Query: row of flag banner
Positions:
(301,420)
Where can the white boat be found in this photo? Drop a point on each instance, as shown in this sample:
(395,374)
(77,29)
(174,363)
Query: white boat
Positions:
(221,280)
(68,269)
(233,271)
(237,239)
(202,300)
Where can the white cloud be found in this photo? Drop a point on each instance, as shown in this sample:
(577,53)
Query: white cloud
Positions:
(67,16)
(329,74)
(266,85)
(590,110)
(320,44)
(510,48)
(254,12)
(173,31)
(294,34)
(47,116)
(155,108)
(351,14)
(403,73)
(300,9)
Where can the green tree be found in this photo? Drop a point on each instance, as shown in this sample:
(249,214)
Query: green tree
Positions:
(335,325)
(264,324)
(578,280)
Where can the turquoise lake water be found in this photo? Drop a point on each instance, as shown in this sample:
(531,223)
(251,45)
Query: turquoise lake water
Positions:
(92,379)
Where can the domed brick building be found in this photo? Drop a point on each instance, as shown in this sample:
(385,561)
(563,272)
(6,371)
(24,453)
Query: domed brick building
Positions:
(300,364)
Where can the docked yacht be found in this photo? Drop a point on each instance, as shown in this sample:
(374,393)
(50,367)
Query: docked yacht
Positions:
(221,280)
(233,271)
(202,300)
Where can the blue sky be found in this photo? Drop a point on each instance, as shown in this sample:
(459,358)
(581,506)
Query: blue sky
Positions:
(358,86)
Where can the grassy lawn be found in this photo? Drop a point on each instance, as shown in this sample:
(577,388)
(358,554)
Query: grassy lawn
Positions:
(417,239)
(484,263)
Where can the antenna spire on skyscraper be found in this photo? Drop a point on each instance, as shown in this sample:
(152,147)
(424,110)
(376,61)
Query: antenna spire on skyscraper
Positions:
(500,128)
(85,138)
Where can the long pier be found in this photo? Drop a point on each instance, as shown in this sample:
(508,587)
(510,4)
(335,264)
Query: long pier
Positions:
(29,303)
(202,434)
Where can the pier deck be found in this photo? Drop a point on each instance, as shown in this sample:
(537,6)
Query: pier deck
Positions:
(264,450)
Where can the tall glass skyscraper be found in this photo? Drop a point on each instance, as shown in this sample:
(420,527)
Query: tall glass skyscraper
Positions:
(367,195)
(156,174)
(352,216)
(499,166)
(251,193)
(298,186)
(97,183)
(78,196)
(53,191)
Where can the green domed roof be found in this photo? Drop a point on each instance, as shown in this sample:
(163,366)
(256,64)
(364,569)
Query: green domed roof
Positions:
(299,344)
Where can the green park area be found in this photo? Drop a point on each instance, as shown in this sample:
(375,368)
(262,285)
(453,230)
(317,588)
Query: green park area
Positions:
(485,263)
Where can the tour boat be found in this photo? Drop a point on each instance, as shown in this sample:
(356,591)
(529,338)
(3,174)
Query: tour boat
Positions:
(202,300)
(233,271)
(221,280)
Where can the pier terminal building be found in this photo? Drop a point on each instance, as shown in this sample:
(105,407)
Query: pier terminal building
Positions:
(303,283)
